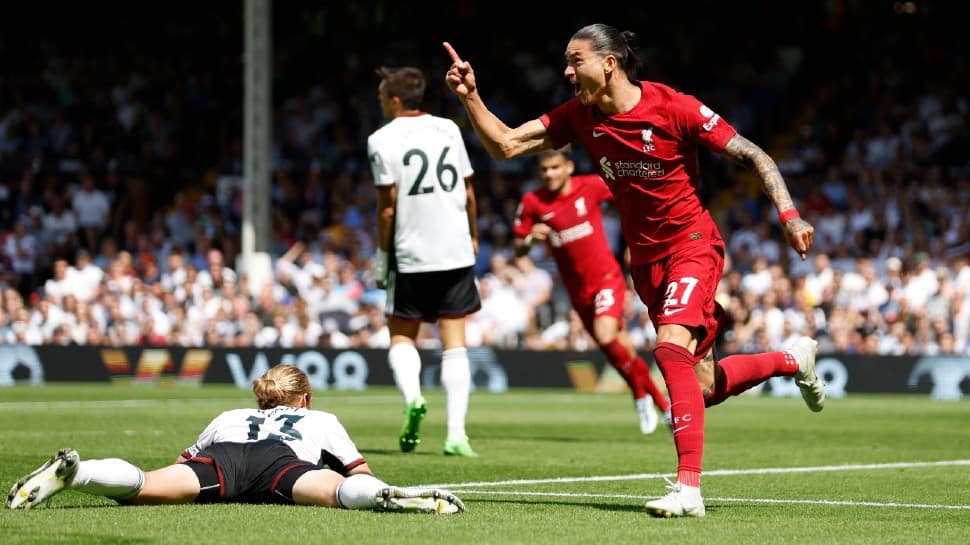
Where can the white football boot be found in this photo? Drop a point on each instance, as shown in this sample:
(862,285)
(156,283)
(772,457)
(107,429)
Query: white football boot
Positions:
(647,414)
(811,386)
(682,501)
(45,481)
(418,500)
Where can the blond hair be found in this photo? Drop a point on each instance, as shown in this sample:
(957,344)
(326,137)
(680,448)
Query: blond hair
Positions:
(281,385)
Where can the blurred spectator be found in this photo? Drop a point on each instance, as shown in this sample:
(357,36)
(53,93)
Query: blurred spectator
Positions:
(215,274)
(59,225)
(84,278)
(138,149)
(179,222)
(535,290)
(19,256)
(57,286)
(92,207)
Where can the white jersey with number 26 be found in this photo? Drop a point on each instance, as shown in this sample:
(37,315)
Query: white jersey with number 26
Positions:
(426,157)
(309,433)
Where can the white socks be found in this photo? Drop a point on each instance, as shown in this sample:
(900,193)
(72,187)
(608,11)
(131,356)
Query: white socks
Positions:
(111,477)
(405,362)
(456,378)
(359,491)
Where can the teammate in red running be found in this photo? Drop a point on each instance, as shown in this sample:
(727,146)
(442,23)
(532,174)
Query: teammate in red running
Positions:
(565,213)
(644,137)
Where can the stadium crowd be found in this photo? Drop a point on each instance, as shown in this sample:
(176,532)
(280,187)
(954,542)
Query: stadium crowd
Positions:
(121,203)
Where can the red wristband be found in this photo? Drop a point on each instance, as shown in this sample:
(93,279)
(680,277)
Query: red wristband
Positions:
(788,215)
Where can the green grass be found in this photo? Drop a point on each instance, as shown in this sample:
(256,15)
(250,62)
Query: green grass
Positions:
(556,437)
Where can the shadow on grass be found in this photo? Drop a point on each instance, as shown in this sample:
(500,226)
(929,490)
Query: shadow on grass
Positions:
(76,506)
(633,437)
(559,503)
(58,538)
(435,452)
(635,506)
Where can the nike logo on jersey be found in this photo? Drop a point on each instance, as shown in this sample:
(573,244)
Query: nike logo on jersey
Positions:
(597,134)
(669,311)
(547,217)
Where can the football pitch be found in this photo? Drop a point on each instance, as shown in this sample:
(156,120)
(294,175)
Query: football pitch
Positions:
(556,467)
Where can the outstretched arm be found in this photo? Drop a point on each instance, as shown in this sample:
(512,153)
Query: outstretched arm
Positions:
(501,141)
(293,252)
(799,232)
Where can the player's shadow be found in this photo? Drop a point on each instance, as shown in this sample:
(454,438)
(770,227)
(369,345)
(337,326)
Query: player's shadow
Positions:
(533,439)
(633,507)
(398,451)
(41,507)
(553,502)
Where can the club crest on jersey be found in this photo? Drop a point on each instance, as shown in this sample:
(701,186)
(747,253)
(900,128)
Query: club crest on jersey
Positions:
(647,136)
(581,206)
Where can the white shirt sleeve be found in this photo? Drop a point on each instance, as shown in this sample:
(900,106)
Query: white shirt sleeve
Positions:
(206,438)
(339,442)
(380,167)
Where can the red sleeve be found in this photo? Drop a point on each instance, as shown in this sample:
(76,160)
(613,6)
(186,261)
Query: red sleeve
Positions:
(523,217)
(557,123)
(698,123)
(599,189)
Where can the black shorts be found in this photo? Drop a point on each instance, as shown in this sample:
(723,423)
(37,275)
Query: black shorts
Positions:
(432,295)
(258,472)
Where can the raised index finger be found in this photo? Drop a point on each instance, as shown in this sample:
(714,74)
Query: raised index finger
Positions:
(453,54)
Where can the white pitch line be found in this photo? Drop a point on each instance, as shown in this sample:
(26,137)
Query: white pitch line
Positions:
(844,503)
(715,472)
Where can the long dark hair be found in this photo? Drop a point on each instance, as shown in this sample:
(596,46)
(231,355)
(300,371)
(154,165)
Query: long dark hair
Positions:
(607,40)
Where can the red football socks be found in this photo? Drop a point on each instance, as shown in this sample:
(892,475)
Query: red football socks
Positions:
(742,371)
(630,369)
(687,406)
(689,478)
(659,399)
(635,372)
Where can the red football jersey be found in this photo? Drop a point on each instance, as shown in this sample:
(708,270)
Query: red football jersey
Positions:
(648,158)
(577,240)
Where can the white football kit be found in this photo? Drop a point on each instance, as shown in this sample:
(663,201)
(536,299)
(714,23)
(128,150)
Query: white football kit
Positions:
(309,433)
(425,156)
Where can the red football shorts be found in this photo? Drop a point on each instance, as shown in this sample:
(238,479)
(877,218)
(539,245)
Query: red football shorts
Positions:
(680,289)
(607,299)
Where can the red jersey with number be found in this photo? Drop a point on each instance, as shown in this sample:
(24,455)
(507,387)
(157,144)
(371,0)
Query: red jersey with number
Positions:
(577,240)
(648,158)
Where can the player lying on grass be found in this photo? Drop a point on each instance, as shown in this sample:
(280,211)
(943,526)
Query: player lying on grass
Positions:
(283,453)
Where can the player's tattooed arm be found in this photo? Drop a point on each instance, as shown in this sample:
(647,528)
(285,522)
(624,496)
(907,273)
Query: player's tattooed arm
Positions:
(799,232)
(754,158)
